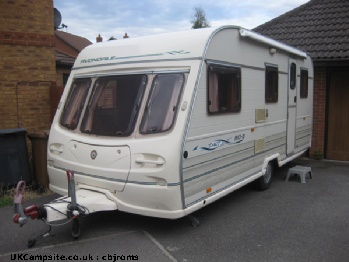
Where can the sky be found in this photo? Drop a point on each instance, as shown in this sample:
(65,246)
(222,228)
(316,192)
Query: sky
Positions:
(89,18)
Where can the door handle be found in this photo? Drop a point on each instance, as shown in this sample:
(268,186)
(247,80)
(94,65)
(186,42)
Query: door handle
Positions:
(154,162)
(295,99)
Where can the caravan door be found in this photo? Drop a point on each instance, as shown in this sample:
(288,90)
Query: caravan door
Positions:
(291,106)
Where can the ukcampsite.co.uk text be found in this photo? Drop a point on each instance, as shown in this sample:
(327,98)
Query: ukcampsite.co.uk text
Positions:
(57,257)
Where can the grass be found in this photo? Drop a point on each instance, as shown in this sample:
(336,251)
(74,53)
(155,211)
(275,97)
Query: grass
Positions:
(7,193)
(6,201)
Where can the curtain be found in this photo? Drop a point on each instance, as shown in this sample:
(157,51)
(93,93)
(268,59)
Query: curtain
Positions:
(213,92)
(89,115)
(171,110)
(75,103)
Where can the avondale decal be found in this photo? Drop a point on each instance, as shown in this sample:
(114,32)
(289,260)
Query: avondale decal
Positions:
(111,58)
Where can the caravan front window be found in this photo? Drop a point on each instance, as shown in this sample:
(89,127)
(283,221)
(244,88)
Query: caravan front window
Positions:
(75,103)
(113,106)
(162,103)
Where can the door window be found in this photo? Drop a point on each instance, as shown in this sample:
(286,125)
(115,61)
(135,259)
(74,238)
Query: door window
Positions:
(293,76)
(304,84)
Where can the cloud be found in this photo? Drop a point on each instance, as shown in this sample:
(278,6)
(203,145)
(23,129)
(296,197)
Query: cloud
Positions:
(88,18)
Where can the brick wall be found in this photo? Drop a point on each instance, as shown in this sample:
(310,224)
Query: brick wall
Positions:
(319,122)
(27,63)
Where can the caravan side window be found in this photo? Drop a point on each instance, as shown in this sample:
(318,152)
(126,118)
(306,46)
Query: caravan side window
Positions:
(304,83)
(162,104)
(271,84)
(75,103)
(224,89)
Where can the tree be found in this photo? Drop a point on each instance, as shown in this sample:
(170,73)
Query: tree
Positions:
(199,20)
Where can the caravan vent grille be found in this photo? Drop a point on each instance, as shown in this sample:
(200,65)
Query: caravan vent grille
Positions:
(260,115)
(259,145)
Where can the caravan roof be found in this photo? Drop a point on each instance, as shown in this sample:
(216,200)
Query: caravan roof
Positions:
(190,44)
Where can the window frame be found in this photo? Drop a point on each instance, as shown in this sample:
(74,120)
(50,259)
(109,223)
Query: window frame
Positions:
(271,91)
(304,83)
(222,70)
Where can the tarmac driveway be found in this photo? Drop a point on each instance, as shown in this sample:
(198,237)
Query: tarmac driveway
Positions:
(289,222)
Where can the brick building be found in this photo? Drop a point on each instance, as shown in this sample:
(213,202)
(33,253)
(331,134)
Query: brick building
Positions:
(321,28)
(27,63)
(35,62)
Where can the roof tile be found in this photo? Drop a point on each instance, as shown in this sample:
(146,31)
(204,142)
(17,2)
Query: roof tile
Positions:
(77,42)
(319,27)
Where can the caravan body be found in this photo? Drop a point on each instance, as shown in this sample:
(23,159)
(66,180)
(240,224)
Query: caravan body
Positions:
(165,124)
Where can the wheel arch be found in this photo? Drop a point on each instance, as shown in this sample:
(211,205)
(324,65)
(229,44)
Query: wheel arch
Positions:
(274,159)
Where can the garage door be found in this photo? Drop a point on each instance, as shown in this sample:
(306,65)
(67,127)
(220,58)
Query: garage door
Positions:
(338,117)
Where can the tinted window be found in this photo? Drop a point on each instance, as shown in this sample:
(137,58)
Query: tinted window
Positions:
(293,76)
(162,104)
(224,89)
(271,84)
(114,105)
(75,103)
(304,84)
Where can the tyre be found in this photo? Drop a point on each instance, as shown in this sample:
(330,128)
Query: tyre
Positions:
(264,182)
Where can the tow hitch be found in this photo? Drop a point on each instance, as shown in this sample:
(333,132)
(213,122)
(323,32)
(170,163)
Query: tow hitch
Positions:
(65,208)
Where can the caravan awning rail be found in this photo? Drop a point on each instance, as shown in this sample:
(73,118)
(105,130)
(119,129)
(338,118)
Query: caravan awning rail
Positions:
(271,42)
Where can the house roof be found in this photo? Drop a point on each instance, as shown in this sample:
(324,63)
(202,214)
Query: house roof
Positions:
(64,59)
(319,27)
(77,42)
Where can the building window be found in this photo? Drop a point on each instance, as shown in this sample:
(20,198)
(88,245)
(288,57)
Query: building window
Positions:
(304,83)
(224,89)
(271,84)
(162,104)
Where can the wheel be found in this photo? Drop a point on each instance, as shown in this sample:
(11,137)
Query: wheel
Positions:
(194,221)
(264,182)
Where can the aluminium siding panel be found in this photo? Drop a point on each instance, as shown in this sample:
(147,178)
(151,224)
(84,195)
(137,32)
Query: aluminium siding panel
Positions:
(212,168)
(303,136)
(208,174)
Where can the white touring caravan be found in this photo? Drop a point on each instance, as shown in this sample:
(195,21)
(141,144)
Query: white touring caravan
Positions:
(163,125)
